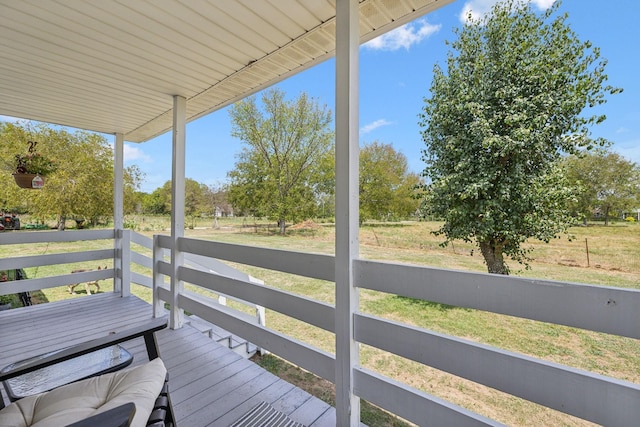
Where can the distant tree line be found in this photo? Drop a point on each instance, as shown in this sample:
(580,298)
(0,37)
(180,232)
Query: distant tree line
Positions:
(606,185)
(287,175)
(200,200)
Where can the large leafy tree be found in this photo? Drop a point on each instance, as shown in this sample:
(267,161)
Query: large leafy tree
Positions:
(279,167)
(607,182)
(387,188)
(510,103)
(81,186)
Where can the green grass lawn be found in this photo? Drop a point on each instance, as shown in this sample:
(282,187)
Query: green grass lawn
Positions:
(613,260)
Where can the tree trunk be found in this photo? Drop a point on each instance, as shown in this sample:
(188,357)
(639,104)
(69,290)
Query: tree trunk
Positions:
(492,253)
(283,228)
(606,216)
(62,222)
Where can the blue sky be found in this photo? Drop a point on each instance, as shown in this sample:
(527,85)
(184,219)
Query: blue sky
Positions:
(396,72)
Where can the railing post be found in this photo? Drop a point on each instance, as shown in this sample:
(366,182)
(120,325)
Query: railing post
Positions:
(158,278)
(347,201)
(261,316)
(125,262)
(117,261)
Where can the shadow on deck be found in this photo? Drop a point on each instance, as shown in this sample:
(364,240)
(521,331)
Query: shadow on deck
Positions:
(210,385)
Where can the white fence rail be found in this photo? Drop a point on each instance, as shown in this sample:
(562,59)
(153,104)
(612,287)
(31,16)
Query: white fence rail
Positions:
(100,256)
(583,394)
(597,308)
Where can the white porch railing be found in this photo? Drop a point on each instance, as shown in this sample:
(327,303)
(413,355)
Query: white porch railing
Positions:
(108,255)
(593,397)
(583,394)
(52,257)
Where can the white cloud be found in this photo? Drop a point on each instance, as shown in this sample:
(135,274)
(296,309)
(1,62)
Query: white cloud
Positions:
(374,125)
(133,153)
(479,8)
(404,36)
(543,4)
(622,130)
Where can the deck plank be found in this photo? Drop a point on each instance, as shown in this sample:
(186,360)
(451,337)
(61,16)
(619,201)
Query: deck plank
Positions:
(211,403)
(328,419)
(276,388)
(291,401)
(209,384)
(310,411)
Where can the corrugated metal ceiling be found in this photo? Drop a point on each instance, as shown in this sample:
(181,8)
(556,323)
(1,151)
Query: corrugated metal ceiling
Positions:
(113,66)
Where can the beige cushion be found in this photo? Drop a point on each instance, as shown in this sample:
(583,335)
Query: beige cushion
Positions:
(77,401)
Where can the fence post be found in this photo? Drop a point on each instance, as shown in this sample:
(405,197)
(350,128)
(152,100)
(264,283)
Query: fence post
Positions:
(586,244)
(158,278)
(125,263)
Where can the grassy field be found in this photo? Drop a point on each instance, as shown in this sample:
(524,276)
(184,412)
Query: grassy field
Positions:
(613,259)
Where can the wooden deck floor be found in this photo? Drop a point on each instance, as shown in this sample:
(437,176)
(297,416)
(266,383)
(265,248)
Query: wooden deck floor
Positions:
(210,385)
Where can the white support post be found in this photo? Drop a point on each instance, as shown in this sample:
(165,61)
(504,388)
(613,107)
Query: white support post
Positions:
(120,262)
(177,206)
(347,210)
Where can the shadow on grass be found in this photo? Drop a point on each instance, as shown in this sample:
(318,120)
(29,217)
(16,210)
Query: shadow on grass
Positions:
(422,304)
(385,225)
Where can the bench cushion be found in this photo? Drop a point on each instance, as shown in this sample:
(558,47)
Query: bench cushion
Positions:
(77,401)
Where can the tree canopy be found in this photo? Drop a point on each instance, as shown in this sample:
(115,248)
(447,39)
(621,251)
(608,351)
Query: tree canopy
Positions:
(81,187)
(387,188)
(279,167)
(510,104)
(607,183)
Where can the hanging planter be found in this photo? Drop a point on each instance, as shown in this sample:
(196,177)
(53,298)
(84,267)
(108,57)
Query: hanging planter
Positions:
(30,168)
(29,180)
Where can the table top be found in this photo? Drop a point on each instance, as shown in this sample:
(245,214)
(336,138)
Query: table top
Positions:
(96,363)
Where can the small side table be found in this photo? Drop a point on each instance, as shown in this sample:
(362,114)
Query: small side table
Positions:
(109,359)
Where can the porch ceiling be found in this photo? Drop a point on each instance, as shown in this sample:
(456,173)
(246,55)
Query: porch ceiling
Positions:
(113,66)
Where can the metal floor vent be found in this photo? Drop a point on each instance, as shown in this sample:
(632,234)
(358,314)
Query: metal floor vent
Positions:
(265,415)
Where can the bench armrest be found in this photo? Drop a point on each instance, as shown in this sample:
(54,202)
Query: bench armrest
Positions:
(120,416)
(145,330)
